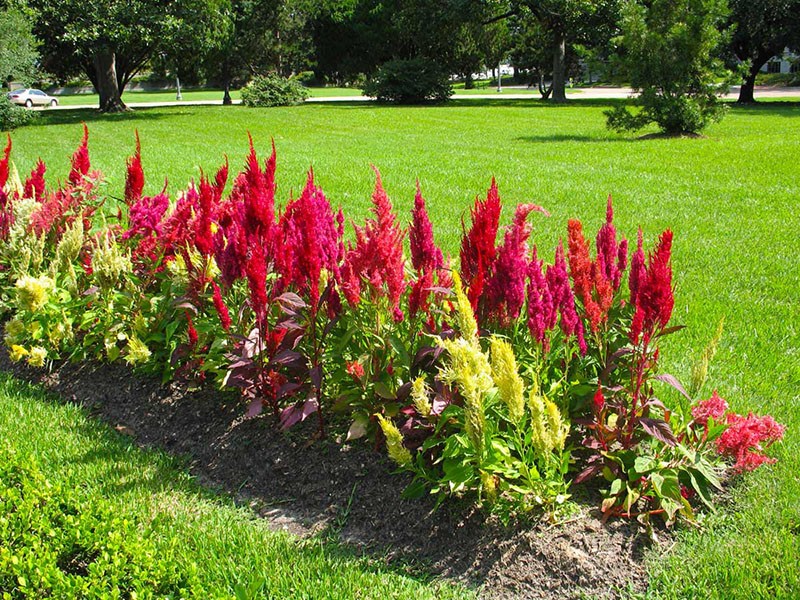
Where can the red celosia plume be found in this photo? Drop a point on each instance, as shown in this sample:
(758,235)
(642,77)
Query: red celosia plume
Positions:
(478,244)
(34,184)
(134,180)
(80,159)
(377,255)
(654,299)
(4,162)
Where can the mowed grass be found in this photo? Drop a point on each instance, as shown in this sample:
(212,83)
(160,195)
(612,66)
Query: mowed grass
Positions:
(731,197)
(218,546)
(191,95)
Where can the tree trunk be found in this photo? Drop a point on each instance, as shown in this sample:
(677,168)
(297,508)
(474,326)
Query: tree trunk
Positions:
(468,82)
(748,85)
(226,98)
(559,67)
(107,85)
(543,89)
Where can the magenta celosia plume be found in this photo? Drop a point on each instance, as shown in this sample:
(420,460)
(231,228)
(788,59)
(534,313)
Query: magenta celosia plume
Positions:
(505,288)
(310,241)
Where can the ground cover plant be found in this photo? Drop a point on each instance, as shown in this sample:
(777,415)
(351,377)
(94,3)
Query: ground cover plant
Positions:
(686,194)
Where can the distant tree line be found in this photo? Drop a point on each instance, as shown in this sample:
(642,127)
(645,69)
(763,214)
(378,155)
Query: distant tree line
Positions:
(227,42)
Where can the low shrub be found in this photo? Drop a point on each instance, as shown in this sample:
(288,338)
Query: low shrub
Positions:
(499,380)
(13,116)
(409,82)
(273,90)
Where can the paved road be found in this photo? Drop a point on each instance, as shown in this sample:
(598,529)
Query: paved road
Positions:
(762,92)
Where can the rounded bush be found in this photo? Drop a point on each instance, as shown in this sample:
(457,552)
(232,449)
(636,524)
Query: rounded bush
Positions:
(13,116)
(409,82)
(273,90)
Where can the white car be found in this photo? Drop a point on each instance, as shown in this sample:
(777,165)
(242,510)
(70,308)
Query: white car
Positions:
(29,98)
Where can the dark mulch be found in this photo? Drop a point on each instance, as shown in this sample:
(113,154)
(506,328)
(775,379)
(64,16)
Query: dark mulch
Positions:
(349,491)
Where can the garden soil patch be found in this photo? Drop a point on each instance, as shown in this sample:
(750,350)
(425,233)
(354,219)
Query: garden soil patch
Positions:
(349,492)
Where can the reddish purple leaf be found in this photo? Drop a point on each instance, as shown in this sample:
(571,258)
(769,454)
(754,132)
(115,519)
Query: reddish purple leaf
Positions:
(659,429)
(296,413)
(254,409)
(673,381)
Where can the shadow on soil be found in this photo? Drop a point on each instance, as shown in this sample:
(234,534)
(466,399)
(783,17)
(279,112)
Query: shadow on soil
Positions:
(348,494)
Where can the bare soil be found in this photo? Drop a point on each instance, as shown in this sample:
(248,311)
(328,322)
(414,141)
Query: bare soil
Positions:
(349,492)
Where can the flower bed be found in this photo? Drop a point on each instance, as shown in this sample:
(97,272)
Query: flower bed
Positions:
(506,380)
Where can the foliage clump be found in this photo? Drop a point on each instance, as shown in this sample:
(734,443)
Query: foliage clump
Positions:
(671,55)
(412,81)
(273,90)
(13,116)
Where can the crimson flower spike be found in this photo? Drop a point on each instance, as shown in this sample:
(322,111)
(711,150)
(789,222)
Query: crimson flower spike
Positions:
(425,255)
(34,184)
(134,181)
(80,159)
(4,162)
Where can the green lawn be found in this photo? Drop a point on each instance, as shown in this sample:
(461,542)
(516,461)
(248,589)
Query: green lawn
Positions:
(315,92)
(162,517)
(732,199)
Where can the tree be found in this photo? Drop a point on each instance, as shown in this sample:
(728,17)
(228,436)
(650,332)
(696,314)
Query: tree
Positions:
(671,48)
(762,29)
(111,40)
(18,46)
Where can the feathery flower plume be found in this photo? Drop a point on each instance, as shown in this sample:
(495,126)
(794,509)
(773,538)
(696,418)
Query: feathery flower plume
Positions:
(394,442)
(425,255)
(654,297)
(542,315)
(134,180)
(582,272)
(145,215)
(222,310)
(377,256)
(204,217)
(746,439)
(310,242)
(419,396)
(478,244)
(611,256)
(505,289)
(4,163)
(34,183)
(191,332)
(564,299)
(507,379)
(80,159)
(638,270)
(713,408)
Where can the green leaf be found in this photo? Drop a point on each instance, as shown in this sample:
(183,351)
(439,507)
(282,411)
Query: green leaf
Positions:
(415,489)
(400,348)
(616,487)
(383,391)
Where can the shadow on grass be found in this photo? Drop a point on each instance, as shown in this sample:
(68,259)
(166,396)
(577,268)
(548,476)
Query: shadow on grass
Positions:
(89,115)
(563,137)
(120,470)
(782,108)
